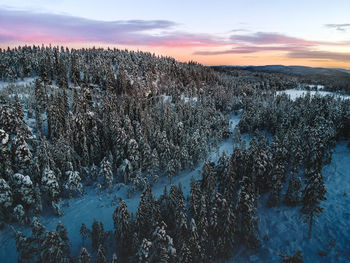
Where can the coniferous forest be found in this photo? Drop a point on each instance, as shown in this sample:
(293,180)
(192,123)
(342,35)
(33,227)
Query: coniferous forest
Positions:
(193,157)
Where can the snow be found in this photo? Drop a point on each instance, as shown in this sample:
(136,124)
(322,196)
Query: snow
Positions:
(5,138)
(27,181)
(287,232)
(21,179)
(167,98)
(295,93)
(19,95)
(18,82)
(189,99)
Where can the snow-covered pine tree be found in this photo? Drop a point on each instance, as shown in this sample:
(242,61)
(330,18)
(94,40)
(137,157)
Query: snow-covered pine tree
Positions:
(21,151)
(19,213)
(25,247)
(6,199)
(95,235)
(63,234)
(203,224)
(133,153)
(50,184)
(122,228)
(101,258)
(195,247)
(106,172)
(54,249)
(162,250)
(164,150)
(147,214)
(84,256)
(23,190)
(155,169)
(195,198)
(313,194)
(93,174)
(144,251)
(184,157)
(73,184)
(185,255)
(84,232)
(5,155)
(246,214)
(276,180)
(292,196)
(172,169)
(146,157)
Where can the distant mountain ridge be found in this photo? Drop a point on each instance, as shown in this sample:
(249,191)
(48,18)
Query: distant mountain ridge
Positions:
(296,70)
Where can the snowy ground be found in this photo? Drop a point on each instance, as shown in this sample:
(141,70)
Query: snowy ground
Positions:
(18,82)
(295,93)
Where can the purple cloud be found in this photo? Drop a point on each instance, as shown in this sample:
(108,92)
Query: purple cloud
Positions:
(310,54)
(261,38)
(54,28)
(248,49)
(295,47)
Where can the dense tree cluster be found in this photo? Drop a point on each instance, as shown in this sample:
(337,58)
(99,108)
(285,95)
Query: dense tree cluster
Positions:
(305,131)
(102,117)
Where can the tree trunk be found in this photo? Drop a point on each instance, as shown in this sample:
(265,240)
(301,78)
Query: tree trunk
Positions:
(310,226)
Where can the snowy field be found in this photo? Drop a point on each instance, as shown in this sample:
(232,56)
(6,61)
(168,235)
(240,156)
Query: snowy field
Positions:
(295,93)
(24,82)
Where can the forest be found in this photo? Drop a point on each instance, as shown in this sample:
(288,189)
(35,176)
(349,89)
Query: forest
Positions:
(80,121)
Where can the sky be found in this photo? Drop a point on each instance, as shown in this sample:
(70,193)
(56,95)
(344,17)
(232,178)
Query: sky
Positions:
(226,32)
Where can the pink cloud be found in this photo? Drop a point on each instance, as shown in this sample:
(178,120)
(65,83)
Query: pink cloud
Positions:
(48,28)
(248,49)
(261,38)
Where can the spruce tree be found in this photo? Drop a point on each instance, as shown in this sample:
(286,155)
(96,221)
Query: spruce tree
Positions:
(84,256)
(313,194)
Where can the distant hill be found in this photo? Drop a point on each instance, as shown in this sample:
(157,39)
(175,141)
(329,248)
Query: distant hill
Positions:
(334,79)
(297,70)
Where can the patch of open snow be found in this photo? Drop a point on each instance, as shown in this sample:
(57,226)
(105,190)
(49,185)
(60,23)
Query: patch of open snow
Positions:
(19,82)
(295,93)
(19,95)
(189,99)
(167,98)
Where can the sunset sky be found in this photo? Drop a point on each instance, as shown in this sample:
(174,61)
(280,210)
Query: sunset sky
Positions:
(244,32)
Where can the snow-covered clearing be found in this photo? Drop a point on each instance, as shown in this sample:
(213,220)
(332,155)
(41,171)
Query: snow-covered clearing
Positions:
(295,93)
(18,82)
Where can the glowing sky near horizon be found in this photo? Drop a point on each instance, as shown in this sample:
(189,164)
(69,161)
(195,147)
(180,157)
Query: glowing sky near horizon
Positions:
(243,32)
